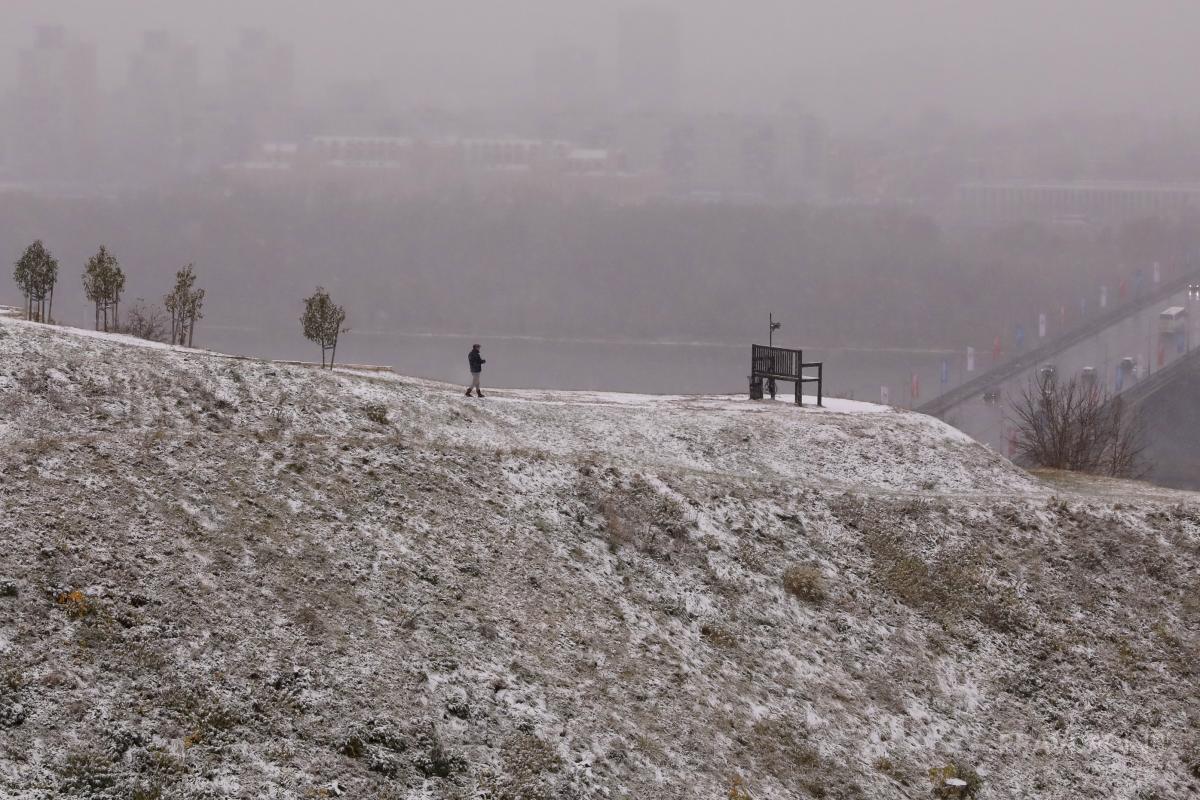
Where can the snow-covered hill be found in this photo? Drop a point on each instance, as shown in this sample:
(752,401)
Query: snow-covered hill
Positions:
(232,578)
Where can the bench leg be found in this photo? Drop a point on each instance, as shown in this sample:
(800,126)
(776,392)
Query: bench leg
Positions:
(799,393)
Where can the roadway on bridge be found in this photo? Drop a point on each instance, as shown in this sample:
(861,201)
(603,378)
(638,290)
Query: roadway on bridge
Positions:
(1139,336)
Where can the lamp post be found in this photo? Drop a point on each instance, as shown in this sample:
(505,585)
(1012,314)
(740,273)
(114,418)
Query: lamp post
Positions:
(773,326)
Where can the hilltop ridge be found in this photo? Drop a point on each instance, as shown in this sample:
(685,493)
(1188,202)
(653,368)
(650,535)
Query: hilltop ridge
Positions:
(230,577)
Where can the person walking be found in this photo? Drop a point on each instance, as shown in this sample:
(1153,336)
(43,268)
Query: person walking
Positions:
(476,361)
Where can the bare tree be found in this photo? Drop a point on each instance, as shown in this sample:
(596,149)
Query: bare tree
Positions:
(1077,426)
(144,321)
(184,304)
(322,321)
(36,273)
(1127,441)
(103,282)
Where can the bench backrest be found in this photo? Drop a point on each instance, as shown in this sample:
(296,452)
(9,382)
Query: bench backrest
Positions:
(776,361)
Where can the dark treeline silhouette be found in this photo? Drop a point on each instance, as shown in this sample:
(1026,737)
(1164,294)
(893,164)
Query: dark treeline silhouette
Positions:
(538,266)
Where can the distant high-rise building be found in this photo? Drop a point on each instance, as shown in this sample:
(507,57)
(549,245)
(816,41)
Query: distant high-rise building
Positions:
(160,125)
(55,123)
(261,79)
(648,59)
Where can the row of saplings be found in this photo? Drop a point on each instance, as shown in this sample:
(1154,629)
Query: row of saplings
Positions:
(36,275)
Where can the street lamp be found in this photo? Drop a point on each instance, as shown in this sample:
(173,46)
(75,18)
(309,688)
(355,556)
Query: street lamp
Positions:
(773,326)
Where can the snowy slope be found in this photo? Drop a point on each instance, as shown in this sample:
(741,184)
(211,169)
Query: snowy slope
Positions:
(232,578)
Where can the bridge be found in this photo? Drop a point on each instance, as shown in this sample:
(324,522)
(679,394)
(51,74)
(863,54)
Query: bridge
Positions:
(1171,413)
(1127,350)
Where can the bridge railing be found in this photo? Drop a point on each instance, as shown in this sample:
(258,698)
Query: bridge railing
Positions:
(1149,385)
(947,400)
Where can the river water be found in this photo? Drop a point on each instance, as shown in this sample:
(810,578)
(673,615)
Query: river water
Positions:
(601,365)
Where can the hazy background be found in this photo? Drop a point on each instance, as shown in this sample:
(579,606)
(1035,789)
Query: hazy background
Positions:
(895,181)
(851,61)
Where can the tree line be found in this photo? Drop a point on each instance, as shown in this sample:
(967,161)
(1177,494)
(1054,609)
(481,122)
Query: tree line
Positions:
(36,275)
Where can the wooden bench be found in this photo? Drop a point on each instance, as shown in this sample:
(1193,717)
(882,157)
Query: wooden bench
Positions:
(772,364)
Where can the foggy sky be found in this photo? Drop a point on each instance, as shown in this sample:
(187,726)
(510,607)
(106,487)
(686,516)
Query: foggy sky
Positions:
(849,60)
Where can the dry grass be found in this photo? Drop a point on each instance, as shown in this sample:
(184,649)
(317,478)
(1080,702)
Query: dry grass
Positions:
(376,413)
(75,603)
(718,636)
(805,582)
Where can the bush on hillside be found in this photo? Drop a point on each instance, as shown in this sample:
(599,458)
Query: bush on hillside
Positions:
(144,321)
(805,583)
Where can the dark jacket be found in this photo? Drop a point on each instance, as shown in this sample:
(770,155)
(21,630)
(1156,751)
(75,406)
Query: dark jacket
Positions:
(476,361)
